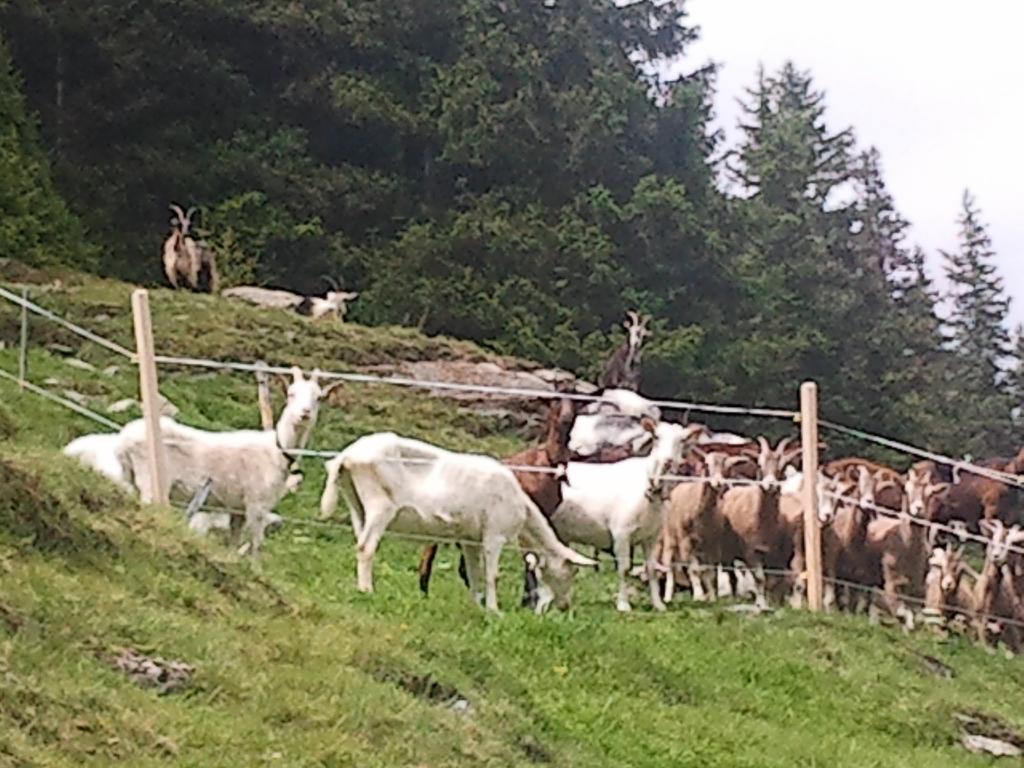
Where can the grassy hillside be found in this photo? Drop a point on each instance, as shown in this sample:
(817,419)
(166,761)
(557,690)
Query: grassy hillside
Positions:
(294,668)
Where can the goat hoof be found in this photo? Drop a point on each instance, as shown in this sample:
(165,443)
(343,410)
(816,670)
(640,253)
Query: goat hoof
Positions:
(623,607)
(660,607)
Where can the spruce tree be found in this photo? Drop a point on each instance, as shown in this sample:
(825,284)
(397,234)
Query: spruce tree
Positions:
(977,385)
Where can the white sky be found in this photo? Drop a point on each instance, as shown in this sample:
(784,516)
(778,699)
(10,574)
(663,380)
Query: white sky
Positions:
(937,86)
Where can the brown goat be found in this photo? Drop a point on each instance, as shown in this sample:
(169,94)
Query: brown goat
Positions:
(544,488)
(752,516)
(896,552)
(692,533)
(888,483)
(971,497)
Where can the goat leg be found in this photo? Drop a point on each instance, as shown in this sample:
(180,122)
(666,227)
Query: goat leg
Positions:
(427,566)
(650,562)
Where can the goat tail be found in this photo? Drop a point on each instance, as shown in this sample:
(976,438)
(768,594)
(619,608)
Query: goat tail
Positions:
(542,535)
(339,481)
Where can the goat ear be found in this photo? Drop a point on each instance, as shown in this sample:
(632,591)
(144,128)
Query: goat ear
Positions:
(648,424)
(330,389)
(989,528)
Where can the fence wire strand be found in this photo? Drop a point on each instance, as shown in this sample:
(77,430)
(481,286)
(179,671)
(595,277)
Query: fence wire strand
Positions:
(81,410)
(73,327)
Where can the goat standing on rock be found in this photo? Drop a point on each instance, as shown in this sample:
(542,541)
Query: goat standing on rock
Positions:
(623,368)
(187,259)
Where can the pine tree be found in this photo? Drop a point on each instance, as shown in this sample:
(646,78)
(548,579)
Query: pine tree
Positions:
(979,341)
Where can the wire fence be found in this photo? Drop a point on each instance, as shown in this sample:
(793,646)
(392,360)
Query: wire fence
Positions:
(774,413)
(739,570)
(365,378)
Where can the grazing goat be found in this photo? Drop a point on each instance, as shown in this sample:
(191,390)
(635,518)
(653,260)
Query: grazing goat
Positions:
(543,488)
(950,586)
(997,592)
(620,504)
(752,513)
(186,258)
(248,469)
(416,488)
(623,368)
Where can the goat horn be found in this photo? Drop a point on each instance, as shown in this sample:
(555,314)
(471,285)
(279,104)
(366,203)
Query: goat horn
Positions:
(177,209)
(331,282)
(781,447)
(762,441)
(191,211)
(633,316)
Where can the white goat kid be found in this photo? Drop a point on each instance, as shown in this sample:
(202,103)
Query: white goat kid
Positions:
(248,469)
(413,487)
(621,503)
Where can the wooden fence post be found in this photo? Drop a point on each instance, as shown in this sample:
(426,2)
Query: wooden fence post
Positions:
(812,529)
(23,349)
(263,393)
(150,396)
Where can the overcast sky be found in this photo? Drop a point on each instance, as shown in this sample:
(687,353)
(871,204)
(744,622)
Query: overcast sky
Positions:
(937,86)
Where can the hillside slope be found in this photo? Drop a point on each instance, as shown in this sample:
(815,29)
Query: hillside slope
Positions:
(294,668)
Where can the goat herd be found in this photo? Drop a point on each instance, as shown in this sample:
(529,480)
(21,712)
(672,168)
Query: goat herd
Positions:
(610,474)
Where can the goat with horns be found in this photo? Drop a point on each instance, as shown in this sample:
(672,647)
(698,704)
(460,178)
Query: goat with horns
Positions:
(187,259)
(622,371)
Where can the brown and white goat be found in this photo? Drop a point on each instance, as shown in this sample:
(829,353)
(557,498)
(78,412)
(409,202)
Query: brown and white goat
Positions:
(950,587)
(622,371)
(896,552)
(185,258)
(997,593)
(693,532)
(755,530)
(543,488)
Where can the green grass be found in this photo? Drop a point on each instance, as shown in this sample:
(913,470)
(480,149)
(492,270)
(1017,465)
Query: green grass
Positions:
(295,668)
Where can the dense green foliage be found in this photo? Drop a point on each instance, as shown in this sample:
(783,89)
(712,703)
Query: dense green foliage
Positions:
(35,224)
(518,175)
(294,667)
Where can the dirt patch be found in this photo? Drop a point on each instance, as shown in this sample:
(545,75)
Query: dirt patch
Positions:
(163,675)
(422,685)
(534,751)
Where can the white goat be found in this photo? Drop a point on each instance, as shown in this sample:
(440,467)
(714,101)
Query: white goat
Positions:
(413,487)
(612,422)
(248,469)
(618,504)
(101,452)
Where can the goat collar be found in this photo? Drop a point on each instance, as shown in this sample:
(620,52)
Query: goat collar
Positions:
(293,461)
